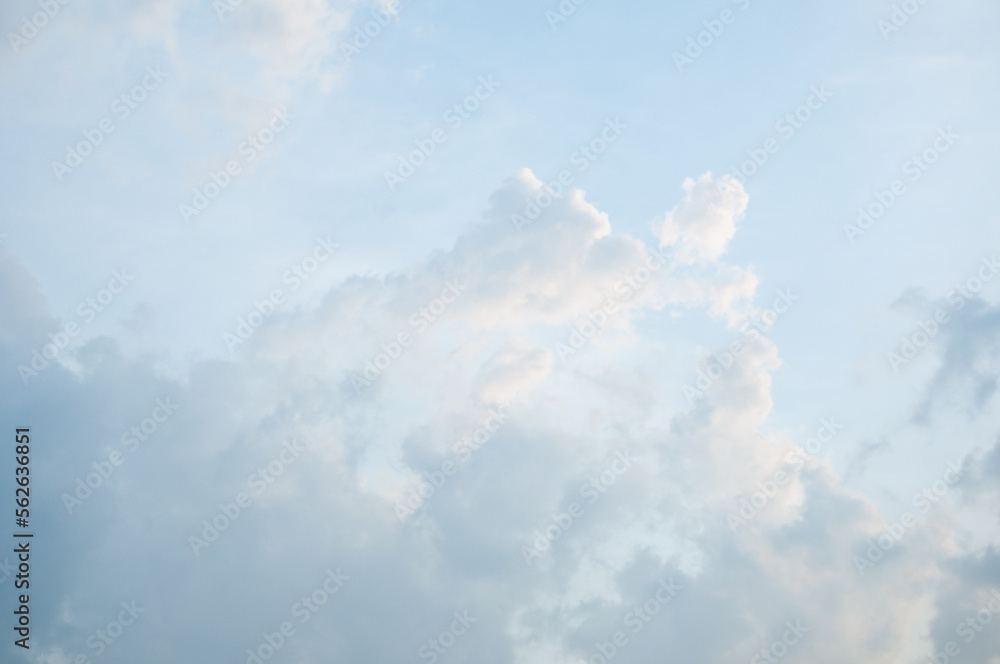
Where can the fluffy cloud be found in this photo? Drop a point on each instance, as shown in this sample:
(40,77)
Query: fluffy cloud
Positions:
(701,227)
(551,532)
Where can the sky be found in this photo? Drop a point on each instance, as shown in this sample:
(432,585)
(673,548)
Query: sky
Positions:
(527,332)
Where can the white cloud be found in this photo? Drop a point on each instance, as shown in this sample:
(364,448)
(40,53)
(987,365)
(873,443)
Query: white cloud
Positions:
(520,294)
(702,225)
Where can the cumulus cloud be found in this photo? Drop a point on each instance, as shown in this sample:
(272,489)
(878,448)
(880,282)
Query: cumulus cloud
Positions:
(702,225)
(380,385)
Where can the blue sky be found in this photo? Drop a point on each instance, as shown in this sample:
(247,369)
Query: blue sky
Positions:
(330,121)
